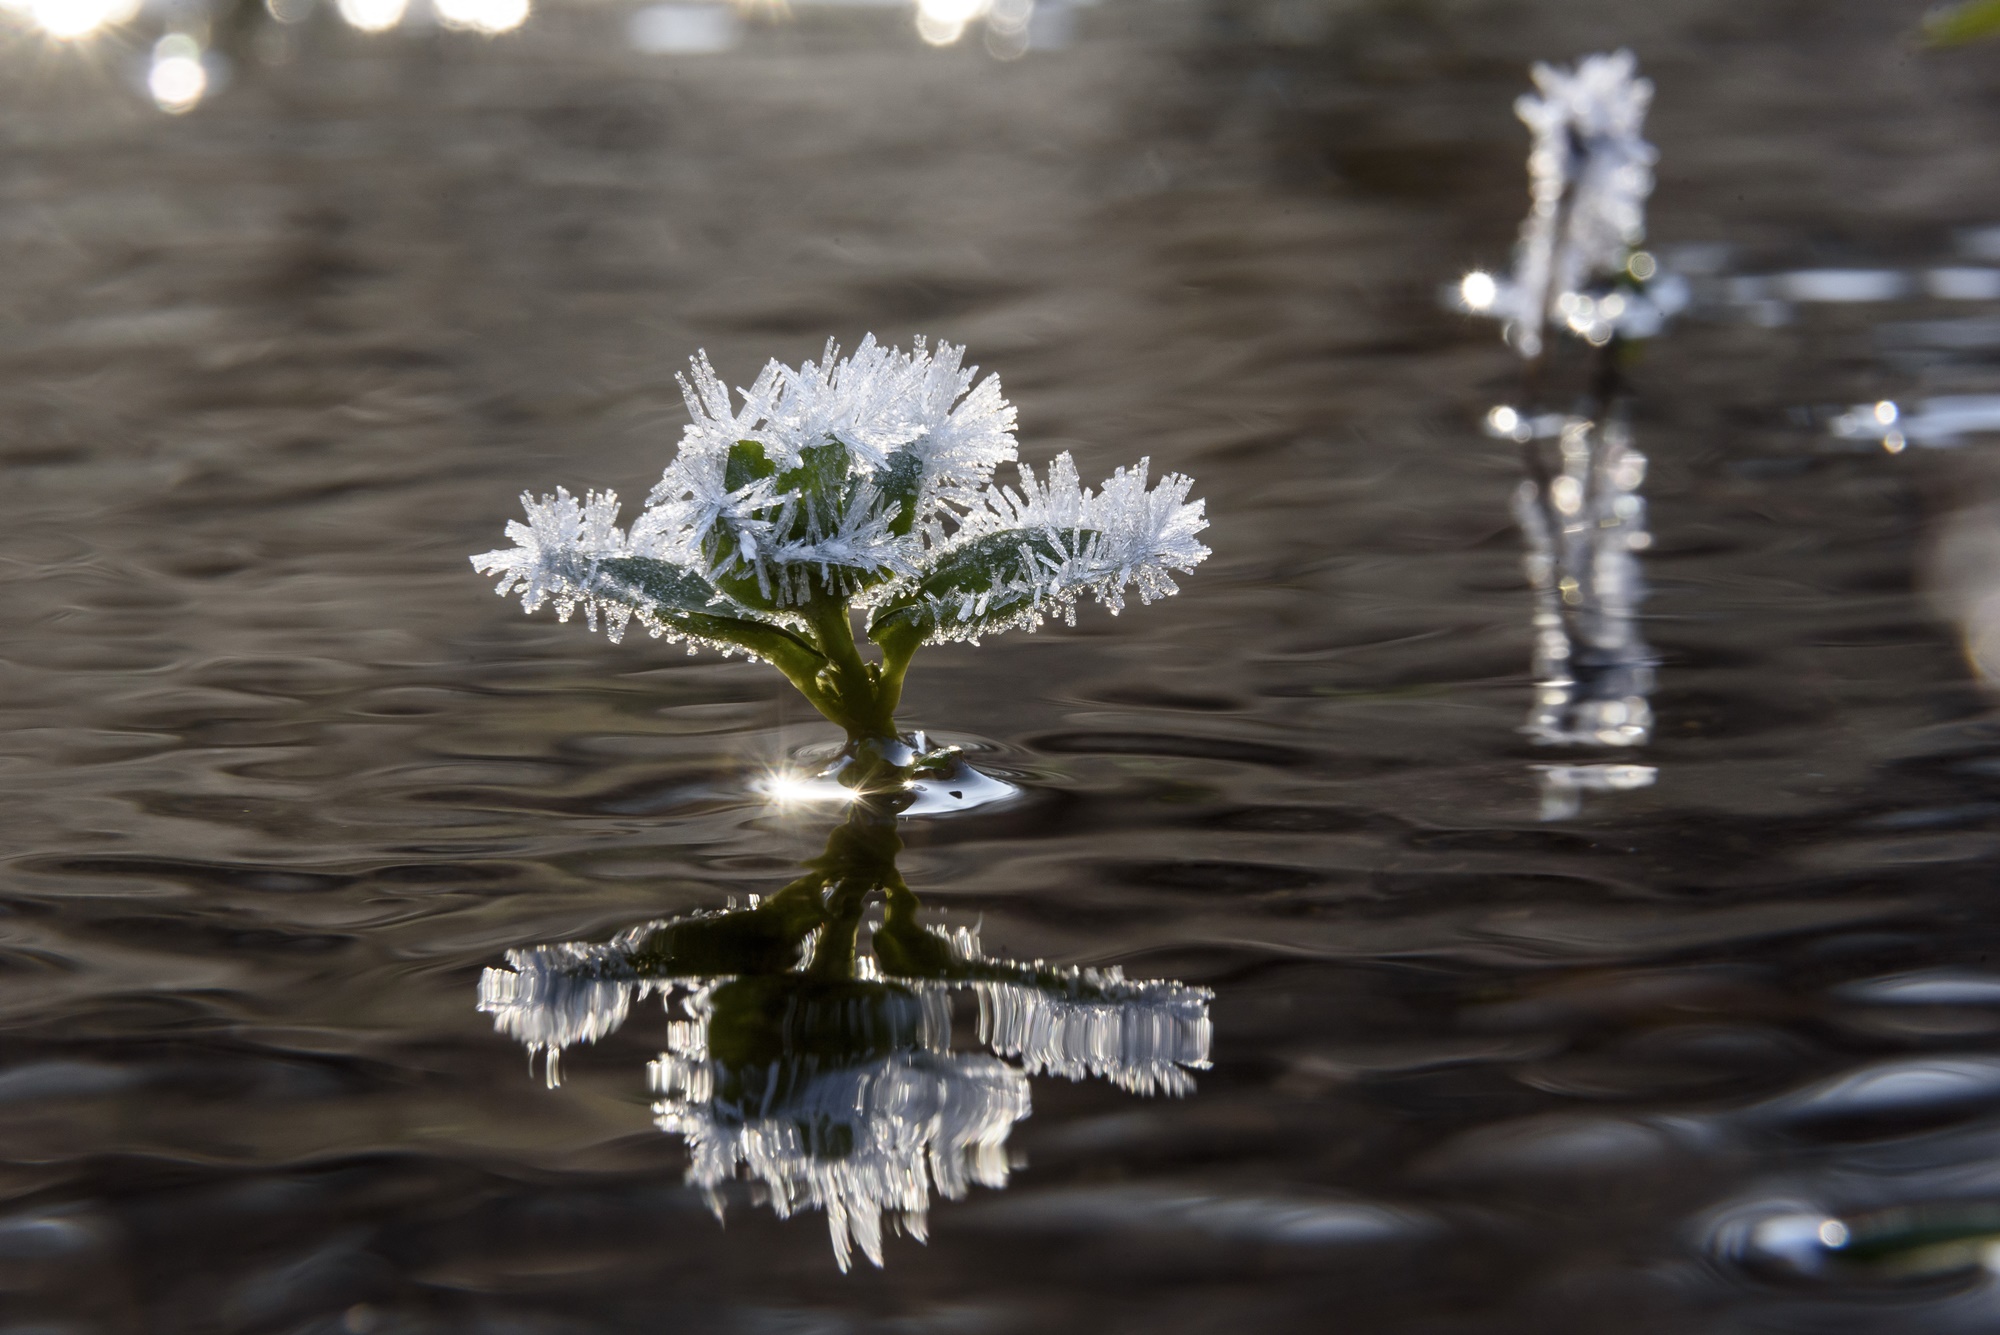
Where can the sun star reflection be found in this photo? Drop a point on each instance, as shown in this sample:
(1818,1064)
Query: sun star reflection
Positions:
(789,789)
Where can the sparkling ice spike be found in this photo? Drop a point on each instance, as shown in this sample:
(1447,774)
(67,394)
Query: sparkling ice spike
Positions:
(1040,548)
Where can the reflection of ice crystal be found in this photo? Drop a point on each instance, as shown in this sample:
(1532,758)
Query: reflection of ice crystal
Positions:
(912,1123)
(869,476)
(860,1142)
(1563,786)
(554,997)
(1144,1037)
(1141,1036)
(845,1096)
(1589,175)
(1582,524)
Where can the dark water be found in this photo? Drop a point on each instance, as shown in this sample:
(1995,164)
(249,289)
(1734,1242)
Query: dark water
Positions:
(282,778)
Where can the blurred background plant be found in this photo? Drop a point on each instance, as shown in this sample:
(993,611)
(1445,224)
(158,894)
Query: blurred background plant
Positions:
(1966,22)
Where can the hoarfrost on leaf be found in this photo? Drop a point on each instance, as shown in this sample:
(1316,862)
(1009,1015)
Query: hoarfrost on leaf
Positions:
(1032,551)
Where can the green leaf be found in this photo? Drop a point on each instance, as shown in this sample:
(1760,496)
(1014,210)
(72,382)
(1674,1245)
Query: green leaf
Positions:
(899,481)
(1962,23)
(822,482)
(745,465)
(688,603)
(662,584)
(745,941)
(826,484)
(984,567)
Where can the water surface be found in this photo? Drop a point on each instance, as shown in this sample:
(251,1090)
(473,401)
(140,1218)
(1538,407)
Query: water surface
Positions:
(283,779)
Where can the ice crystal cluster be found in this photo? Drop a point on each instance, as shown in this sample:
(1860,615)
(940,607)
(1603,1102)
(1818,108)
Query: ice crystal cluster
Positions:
(829,1120)
(864,480)
(1563,786)
(1583,524)
(557,996)
(865,1142)
(1589,173)
(1142,1037)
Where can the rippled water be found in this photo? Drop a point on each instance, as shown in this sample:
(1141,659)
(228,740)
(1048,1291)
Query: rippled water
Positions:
(1698,1033)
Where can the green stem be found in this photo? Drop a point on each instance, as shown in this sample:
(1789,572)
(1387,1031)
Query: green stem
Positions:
(834,958)
(850,692)
(897,647)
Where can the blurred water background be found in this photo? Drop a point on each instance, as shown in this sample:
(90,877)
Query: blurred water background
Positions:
(1694,1029)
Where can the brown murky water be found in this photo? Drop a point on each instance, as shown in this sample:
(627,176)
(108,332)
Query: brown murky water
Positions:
(1716,1048)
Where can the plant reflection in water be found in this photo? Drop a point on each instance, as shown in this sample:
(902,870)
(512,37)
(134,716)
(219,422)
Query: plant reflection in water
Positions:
(825,1074)
(1582,519)
(1578,270)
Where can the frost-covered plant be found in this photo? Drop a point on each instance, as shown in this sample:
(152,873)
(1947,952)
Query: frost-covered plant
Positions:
(1589,174)
(859,484)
